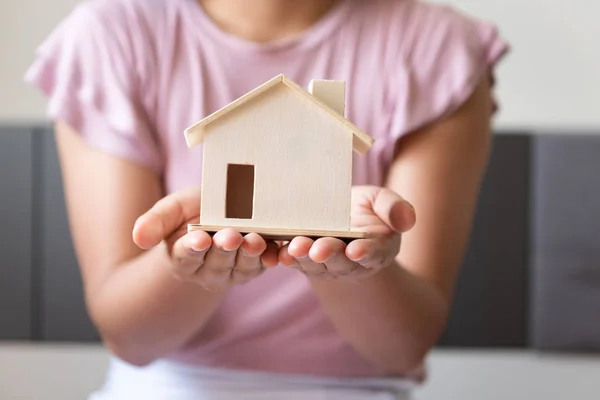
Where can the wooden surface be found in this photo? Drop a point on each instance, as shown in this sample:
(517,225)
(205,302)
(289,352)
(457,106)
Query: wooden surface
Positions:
(332,93)
(302,166)
(362,142)
(282,234)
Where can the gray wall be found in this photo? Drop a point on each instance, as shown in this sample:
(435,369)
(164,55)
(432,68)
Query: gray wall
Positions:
(17,301)
(491,301)
(41,295)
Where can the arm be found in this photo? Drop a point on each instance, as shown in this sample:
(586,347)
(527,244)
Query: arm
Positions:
(140,308)
(394,317)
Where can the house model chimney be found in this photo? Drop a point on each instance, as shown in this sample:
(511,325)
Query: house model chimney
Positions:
(332,93)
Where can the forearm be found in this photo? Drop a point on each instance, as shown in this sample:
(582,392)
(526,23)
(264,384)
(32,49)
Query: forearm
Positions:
(393,318)
(143,312)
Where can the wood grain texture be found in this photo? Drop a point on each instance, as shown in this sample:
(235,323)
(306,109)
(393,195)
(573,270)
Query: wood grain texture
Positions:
(283,234)
(332,93)
(197,133)
(303,166)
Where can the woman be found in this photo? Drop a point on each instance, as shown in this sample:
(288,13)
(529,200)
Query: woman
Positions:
(190,316)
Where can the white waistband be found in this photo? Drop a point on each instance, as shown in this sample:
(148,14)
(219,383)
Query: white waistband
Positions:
(168,380)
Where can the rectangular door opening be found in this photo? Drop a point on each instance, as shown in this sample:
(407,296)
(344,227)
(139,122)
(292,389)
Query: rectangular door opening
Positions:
(240,191)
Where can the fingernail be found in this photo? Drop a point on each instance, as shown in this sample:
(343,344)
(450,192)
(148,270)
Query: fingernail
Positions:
(412,214)
(192,245)
(331,258)
(361,259)
(222,246)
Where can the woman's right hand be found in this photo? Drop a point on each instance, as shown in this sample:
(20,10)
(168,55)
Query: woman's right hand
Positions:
(216,262)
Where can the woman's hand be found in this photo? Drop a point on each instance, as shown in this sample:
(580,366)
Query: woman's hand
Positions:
(214,262)
(376,210)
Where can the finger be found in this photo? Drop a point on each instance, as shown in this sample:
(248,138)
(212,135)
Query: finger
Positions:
(239,276)
(189,252)
(248,264)
(394,211)
(372,253)
(300,248)
(220,259)
(331,252)
(286,258)
(340,265)
(171,239)
(166,216)
(253,245)
(269,257)
(323,249)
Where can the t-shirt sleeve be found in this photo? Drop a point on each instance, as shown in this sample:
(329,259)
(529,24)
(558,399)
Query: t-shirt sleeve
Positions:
(87,71)
(445,54)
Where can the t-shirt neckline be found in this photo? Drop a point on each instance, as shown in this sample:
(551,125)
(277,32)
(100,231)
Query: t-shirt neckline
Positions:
(321,29)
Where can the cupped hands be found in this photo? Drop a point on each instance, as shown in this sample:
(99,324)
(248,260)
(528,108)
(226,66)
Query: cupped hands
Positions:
(218,261)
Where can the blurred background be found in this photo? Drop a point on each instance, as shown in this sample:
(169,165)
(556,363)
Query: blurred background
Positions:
(526,320)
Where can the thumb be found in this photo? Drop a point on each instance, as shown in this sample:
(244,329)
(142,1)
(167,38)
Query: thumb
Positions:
(392,209)
(166,217)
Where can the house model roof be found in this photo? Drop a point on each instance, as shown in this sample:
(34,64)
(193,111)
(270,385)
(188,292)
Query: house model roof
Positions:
(194,135)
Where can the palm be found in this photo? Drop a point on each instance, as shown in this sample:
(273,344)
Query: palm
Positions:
(375,210)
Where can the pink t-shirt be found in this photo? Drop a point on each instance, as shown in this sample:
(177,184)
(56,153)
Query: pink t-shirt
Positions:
(131,75)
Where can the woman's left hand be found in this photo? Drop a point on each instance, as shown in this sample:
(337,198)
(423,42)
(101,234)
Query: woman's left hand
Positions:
(376,210)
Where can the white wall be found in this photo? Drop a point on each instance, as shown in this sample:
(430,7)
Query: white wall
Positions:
(23,25)
(551,79)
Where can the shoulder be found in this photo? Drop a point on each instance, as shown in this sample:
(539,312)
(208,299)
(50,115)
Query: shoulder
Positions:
(435,56)
(125,23)
(420,32)
(121,33)
(434,33)
(121,20)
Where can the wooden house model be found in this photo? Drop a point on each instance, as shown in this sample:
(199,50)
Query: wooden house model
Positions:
(278,161)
